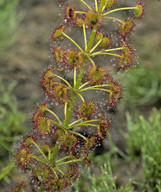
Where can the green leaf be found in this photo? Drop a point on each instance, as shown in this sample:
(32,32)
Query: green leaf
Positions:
(6,170)
(6,146)
(54,153)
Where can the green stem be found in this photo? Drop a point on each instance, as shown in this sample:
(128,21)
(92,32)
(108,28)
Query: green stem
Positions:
(114,49)
(63,80)
(60,171)
(76,122)
(92,61)
(54,115)
(92,120)
(119,9)
(71,161)
(72,41)
(65,109)
(70,110)
(74,96)
(80,135)
(98,86)
(95,46)
(79,79)
(91,40)
(102,3)
(81,97)
(104,7)
(102,53)
(54,172)
(49,153)
(40,150)
(96,5)
(107,50)
(83,85)
(90,88)
(115,19)
(75,75)
(38,159)
(55,123)
(83,124)
(85,36)
(86,4)
(64,158)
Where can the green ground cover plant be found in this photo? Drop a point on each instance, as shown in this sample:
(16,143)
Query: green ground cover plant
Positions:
(9,21)
(104,182)
(143,141)
(11,120)
(147,83)
(58,148)
(11,126)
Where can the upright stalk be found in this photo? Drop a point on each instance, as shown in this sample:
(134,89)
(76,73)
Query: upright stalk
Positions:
(79,79)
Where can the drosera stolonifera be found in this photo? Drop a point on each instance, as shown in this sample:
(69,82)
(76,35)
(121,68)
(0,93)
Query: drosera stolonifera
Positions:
(53,153)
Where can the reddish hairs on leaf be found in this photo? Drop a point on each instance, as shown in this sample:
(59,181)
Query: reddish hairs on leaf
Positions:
(127,27)
(47,82)
(139,11)
(68,141)
(57,34)
(96,75)
(19,187)
(92,18)
(73,58)
(40,111)
(103,127)
(43,125)
(60,93)
(115,93)
(70,14)
(86,110)
(23,157)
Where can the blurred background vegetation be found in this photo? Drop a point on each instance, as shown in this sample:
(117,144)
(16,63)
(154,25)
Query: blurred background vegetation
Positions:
(130,160)
(9,20)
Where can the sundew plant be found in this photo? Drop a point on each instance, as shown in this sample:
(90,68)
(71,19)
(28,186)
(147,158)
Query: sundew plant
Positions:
(57,150)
